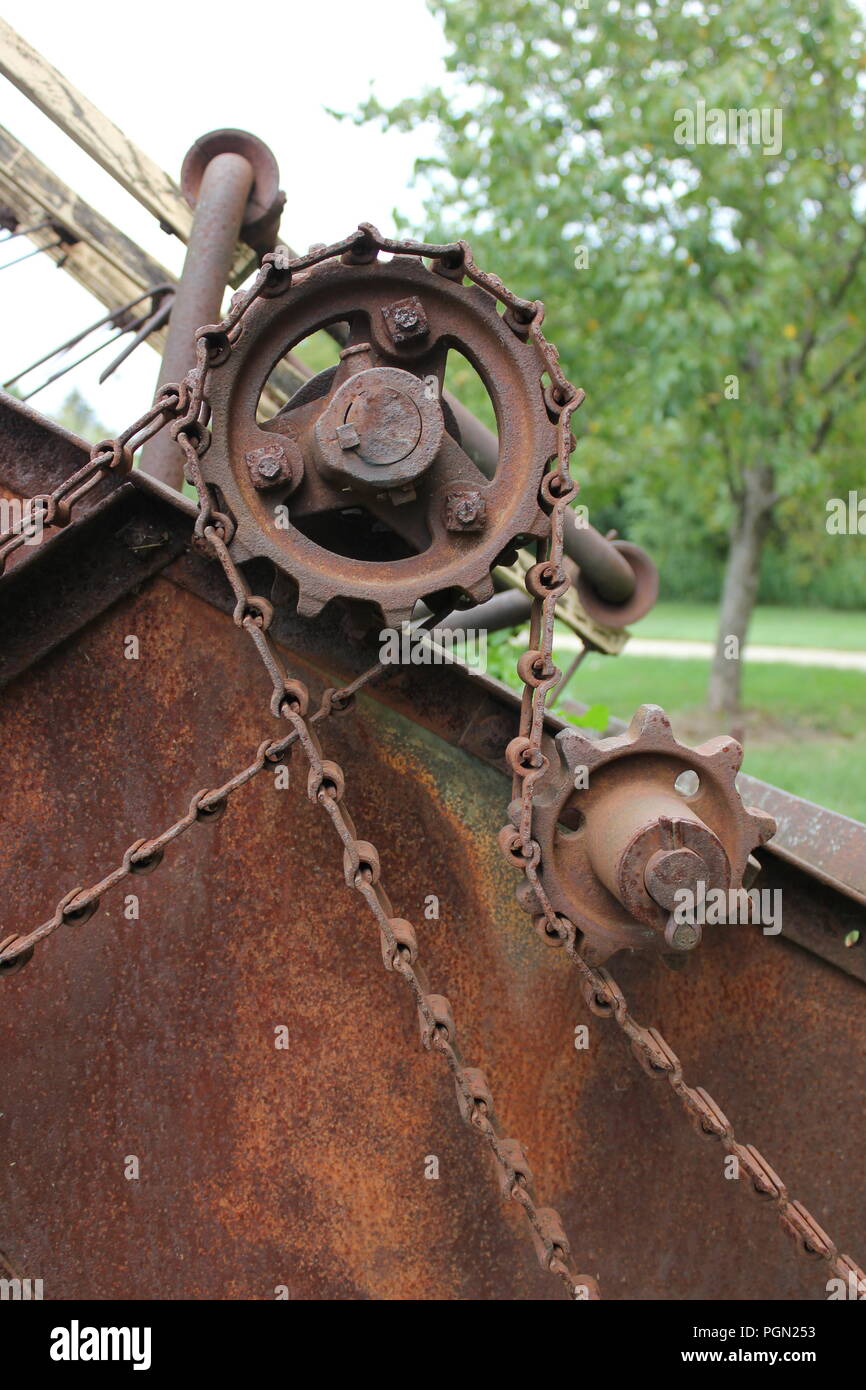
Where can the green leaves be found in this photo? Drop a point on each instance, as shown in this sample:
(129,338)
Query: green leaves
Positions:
(596,717)
(703,261)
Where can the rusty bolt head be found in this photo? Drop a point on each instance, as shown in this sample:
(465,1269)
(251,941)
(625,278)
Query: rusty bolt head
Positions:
(682,936)
(268,465)
(672,870)
(465,511)
(405,320)
(347,436)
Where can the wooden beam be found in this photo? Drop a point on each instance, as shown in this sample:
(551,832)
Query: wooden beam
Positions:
(44,191)
(105,262)
(84,263)
(99,137)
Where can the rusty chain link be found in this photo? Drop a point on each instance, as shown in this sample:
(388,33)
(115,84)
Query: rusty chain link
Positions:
(187,406)
(362,871)
(109,456)
(605,999)
(546,582)
(145,855)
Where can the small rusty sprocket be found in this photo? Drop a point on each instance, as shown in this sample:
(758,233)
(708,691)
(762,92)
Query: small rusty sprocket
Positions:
(372,444)
(621,829)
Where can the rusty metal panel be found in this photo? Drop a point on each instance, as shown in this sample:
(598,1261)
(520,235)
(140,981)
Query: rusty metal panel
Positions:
(305,1166)
(825,842)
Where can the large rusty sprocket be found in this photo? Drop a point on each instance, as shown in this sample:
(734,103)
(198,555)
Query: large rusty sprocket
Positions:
(374,438)
(620,831)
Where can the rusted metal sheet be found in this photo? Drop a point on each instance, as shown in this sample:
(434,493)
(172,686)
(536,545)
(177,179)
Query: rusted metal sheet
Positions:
(825,842)
(816,915)
(309,1166)
(305,1166)
(36,454)
(55,589)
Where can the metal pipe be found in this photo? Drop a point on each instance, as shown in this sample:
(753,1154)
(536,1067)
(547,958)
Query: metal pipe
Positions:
(608,572)
(559,690)
(219,215)
(510,608)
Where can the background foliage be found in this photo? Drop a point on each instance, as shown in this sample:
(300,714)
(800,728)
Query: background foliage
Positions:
(555,132)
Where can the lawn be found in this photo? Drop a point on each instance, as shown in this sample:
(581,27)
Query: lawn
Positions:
(782,627)
(803,728)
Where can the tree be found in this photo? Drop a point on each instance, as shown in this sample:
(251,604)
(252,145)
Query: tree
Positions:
(684,184)
(78,415)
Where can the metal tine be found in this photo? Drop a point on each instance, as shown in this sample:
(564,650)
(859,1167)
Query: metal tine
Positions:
(63,347)
(111,317)
(18,259)
(25,231)
(55,376)
(155,321)
(559,690)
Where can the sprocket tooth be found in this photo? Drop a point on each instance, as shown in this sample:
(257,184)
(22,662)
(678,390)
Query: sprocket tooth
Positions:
(396,617)
(481,590)
(765,825)
(751,871)
(310,605)
(723,751)
(578,750)
(650,722)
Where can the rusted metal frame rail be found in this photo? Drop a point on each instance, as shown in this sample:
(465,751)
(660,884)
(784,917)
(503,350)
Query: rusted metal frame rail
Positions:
(143,528)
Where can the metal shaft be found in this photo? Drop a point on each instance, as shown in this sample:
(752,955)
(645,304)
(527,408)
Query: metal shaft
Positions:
(509,608)
(222,199)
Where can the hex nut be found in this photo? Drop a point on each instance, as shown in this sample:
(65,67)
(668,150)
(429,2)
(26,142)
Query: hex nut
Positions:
(405,320)
(465,511)
(269,465)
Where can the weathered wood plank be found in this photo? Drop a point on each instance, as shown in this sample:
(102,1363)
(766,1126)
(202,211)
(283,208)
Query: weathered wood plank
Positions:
(53,197)
(104,262)
(99,137)
(100,276)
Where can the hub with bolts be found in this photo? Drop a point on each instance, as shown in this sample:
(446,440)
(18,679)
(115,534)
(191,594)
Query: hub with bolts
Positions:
(381,430)
(380,464)
(621,846)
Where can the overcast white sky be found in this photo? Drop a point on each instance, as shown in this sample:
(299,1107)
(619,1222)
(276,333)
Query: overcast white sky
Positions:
(166,73)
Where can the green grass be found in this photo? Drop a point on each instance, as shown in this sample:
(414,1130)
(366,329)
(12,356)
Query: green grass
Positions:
(820,698)
(804,729)
(771,626)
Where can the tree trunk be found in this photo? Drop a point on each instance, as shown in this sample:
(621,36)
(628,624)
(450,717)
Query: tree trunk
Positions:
(740,589)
